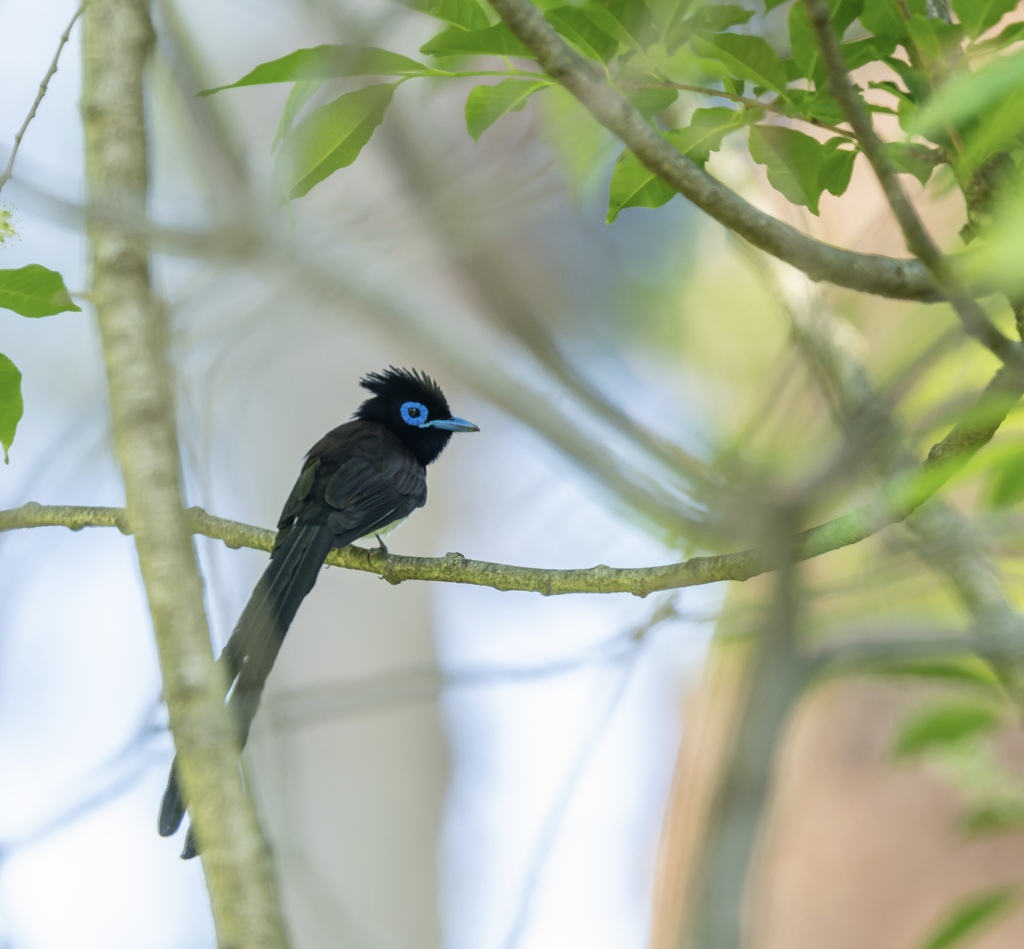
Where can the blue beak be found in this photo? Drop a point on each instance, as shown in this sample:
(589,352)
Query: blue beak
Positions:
(452,425)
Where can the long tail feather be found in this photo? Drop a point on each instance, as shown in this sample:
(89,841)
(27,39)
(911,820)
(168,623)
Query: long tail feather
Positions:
(250,652)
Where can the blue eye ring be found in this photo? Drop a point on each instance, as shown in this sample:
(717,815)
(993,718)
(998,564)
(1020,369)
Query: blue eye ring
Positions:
(414,413)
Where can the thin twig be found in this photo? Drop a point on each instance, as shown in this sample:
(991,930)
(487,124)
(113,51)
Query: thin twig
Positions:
(43,86)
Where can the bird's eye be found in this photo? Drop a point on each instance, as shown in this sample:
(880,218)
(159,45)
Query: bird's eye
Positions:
(414,413)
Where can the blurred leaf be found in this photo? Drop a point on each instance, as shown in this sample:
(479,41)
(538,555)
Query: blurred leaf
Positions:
(330,137)
(11,404)
(746,57)
(579,143)
(944,724)
(916,160)
(816,106)
(330,62)
(35,291)
(965,669)
(871,49)
(649,101)
(616,20)
(934,38)
(580,30)
(497,40)
(300,94)
(465,14)
(965,920)
(884,18)
(966,95)
(795,162)
(1012,33)
(977,16)
(994,817)
(717,17)
(1007,484)
(804,45)
(486,104)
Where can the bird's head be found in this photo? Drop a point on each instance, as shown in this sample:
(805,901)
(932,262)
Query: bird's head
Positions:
(410,404)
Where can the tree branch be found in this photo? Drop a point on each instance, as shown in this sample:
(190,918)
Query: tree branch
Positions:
(117,38)
(868,273)
(944,459)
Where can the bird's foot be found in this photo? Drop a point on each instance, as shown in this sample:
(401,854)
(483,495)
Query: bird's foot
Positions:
(380,544)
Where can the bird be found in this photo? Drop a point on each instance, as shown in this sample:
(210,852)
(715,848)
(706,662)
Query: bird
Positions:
(361,479)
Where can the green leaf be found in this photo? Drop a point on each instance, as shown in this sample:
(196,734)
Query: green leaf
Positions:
(465,14)
(497,40)
(746,57)
(11,404)
(977,16)
(969,670)
(966,919)
(916,160)
(35,291)
(933,38)
(794,161)
(486,104)
(884,18)
(815,106)
(649,101)
(580,30)
(330,137)
(633,186)
(1007,485)
(861,52)
(1010,34)
(837,167)
(330,62)
(804,45)
(714,18)
(707,129)
(944,724)
(612,20)
(997,85)
(580,145)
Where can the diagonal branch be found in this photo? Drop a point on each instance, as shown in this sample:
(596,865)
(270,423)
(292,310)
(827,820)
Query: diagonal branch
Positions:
(869,273)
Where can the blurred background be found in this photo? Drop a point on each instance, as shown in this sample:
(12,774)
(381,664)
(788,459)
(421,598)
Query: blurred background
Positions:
(445,765)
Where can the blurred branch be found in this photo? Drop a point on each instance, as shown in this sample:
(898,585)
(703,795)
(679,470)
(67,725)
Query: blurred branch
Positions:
(43,86)
(869,273)
(117,39)
(975,321)
(778,674)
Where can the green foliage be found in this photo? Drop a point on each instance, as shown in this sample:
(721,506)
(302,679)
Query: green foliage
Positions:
(486,104)
(653,49)
(964,921)
(944,724)
(11,404)
(329,138)
(799,166)
(633,186)
(497,40)
(330,62)
(34,291)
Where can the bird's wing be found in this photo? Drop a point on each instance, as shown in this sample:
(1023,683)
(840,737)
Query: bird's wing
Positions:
(366,494)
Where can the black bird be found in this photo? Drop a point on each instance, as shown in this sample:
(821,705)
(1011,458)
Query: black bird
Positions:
(361,479)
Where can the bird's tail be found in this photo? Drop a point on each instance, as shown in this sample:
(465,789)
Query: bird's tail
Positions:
(250,652)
